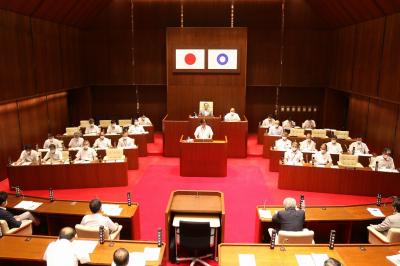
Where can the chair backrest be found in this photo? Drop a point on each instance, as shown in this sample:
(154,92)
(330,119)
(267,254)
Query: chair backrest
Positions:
(194,235)
(104,123)
(296,132)
(4,227)
(84,123)
(341,134)
(71,130)
(84,231)
(348,160)
(65,155)
(319,133)
(125,122)
(115,154)
(393,235)
(298,237)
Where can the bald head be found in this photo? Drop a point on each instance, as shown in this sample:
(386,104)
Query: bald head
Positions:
(121,257)
(67,233)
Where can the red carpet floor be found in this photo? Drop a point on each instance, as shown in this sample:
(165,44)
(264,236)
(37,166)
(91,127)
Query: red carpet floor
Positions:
(248,184)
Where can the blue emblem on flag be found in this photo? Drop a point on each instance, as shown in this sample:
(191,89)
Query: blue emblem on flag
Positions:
(222,59)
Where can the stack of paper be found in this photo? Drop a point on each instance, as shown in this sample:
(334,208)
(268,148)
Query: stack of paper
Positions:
(375,212)
(137,259)
(28,205)
(311,260)
(26,163)
(247,260)
(265,214)
(151,254)
(85,246)
(111,209)
(395,259)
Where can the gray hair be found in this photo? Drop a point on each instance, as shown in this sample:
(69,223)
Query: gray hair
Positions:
(289,203)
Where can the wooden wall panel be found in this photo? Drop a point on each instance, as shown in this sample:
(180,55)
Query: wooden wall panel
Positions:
(153,103)
(260,102)
(79,105)
(396,145)
(57,106)
(335,109)
(121,69)
(357,120)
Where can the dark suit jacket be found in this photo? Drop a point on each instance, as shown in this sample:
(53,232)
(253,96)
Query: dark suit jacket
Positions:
(289,220)
(9,218)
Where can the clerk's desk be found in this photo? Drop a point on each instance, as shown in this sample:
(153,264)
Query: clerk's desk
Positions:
(350,222)
(349,255)
(60,213)
(203,157)
(29,250)
(193,202)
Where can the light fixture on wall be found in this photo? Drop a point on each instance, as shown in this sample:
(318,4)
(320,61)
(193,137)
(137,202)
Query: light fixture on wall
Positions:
(232,14)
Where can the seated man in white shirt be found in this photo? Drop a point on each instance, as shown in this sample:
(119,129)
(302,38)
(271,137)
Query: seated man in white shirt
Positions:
(136,128)
(206,111)
(144,121)
(86,153)
(102,142)
(268,122)
(293,156)
(28,156)
(63,252)
(283,144)
(97,218)
(92,128)
(309,124)
(288,123)
(322,157)
(203,131)
(275,129)
(120,257)
(53,155)
(52,140)
(76,141)
(307,145)
(232,116)
(113,128)
(384,161)
(333,146)
(391,221)
(126,142)
(358,147)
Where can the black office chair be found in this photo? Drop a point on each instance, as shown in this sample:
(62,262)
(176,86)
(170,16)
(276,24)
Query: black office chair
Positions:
(194,242)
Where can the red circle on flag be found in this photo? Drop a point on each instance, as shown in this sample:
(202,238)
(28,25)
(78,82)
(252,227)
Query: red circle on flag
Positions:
(190,59)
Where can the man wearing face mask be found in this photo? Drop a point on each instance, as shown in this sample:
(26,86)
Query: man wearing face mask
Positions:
(51,140)
(288,123)
(268,122)
(27,156)
(358,147)
(76,141)
(232,116)
(333,146)
(136,128)
(275,129)
(92,128)
(309,124)
(126,142)
(283,144)
(385,161)
(308,144)
(144,121)
(113,128)
(102,142)
(322,157)
(293,156)
(86,153)
(53,155)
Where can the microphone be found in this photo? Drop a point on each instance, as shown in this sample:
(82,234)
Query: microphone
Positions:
(376,165)
(332,237)
(17,191)
(128,195)
(1,232)
(101,234)
(159,237)
(273,239)
(379,199)
(51,195)
(353,151)
(302,203)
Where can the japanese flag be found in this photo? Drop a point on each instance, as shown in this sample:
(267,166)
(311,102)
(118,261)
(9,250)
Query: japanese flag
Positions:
(222,59)
(189,59)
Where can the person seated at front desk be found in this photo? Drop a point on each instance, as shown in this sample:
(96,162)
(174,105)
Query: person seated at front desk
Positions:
(136,128)
(383,162)
(113,128)
(53,155)
(332,262)
(322,157)
(97,219)
(275,129)
(206,110)
(28,156)
(232,116)
(120,257)
(288,123)
(268,122)
(86,154)
(293,156)
(309,124)
(102,142)
(144,120)
(391,221)
(283,144)
(358,147)
(203,131)
(52,140)
(307,145)
(290,219)
(333,146)
(92,129)
(125,141)
(76,141)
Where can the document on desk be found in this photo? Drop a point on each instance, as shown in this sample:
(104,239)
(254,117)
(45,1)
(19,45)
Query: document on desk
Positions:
(311,260)
(151,254)
(28,205)
(375,212)
(265,214)
(395,259)
(85,246)
(111,209)
(137,259)
(247,260)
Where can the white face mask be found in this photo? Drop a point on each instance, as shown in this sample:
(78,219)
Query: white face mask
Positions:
(323,151)
(125,137)
(294,149)
(358,141)
(85,147)
(101,137)
(333,141)
(136,123)
(284,138)
(52,151)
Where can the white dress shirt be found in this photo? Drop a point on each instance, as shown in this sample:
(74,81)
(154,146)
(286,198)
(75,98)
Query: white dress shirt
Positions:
(126,142)
(102,143)
(293,157)
(275,131)
(307,145)
(31,157)
(116,129)
(56,156)
(335,148)
(231,117)
(309,124)
(62,252)
(54,141)
(92,129)
(207,112)
(268,122)
(97,219)
(383,163)
(288,124)
(322,158)
(203,132)
(359,148)
(283,144)
(75,142)
(144,121)
(136,129)
(86,155)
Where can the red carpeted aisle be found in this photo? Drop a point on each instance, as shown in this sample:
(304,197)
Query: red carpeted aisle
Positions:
(248,183)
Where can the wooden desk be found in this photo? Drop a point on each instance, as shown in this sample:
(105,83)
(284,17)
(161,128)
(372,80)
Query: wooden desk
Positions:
(260,134)
(236,134)
(61,176)
(350,222)
(150,136)
(362,181)
(213,121)
(60,213)
(354,255)
(192,202)
(18,250)
(132,157)
(203,158)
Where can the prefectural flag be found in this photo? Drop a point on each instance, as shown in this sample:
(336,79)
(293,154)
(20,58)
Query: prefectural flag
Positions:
(222,58)
(189,59)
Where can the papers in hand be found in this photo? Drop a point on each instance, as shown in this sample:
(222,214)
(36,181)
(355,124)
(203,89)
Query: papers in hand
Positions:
(151,254)
(247,260)
(28,205)
(311,260)
(395,259)
(375,212)
(111,209)
(85,246)
(265,214)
